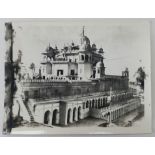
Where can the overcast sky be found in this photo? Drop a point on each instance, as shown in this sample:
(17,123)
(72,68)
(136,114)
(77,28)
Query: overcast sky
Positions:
(126,42)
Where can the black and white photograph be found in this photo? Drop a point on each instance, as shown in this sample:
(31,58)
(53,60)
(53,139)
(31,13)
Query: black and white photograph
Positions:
(77,76)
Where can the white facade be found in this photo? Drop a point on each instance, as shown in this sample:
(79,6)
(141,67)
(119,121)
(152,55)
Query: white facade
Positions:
(74,61)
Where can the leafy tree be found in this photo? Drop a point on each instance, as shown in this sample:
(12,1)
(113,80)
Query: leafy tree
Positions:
(32,67)
(9,79)
(16,64)
(12,77)
(51,52)
(141,75)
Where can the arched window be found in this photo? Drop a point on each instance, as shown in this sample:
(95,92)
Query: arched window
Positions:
(68,115)
(93,103)
(87,104)
(79,113)
(55,117)
(47,117)
(74,114)
(99,100)
(82,57)
(86,58)
(84,105)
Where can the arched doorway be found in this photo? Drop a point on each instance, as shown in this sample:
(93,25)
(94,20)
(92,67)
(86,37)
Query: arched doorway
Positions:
(93,103)
(86,58)
(99,101)
(117,113)
(68,116)
(79,113)
(103,102)
(55,117)
(114,114)
(74,114)
(84,105)
(87,104)
(47,117)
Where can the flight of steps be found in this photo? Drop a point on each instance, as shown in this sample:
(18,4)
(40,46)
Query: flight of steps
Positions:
(30,113)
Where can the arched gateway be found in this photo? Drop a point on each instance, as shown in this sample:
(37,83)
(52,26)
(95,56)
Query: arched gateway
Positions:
(68,116)
(47,117)
(79,113)
(55,117)
(74,114)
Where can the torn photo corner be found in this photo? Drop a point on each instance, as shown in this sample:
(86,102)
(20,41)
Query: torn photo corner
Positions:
(77,76)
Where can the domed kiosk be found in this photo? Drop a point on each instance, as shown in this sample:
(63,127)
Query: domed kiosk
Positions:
(100,69)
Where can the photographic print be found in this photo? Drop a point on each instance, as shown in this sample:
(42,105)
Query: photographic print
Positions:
(77,76)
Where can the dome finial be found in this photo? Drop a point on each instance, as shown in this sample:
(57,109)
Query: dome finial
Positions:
(83,31)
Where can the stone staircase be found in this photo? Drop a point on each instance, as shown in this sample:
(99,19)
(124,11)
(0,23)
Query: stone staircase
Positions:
(29,112)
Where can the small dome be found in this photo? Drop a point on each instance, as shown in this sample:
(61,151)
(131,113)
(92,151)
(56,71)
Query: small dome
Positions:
(94,47)
(101,50)
(86,40)
(99,64)
(85,43)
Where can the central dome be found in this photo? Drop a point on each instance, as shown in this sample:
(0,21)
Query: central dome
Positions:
(100,64)
(85,42)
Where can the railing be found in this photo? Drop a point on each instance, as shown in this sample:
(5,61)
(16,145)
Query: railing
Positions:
(45,80)
(54,79)
(113,76)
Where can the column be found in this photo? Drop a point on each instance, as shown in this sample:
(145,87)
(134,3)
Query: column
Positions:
(57,117)
(66,115)
(76,115)
(109,117)
(112,116)
(71,117)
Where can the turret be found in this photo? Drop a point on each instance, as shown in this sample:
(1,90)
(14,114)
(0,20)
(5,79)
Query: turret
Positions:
(125,73)
(100,69)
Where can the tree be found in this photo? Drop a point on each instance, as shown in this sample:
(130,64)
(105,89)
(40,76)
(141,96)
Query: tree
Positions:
(17,64)
(51,52)
(32,67)
(9,79)
(141,75)
(12,76)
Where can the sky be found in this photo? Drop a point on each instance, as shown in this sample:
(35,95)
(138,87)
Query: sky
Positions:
(126,42)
